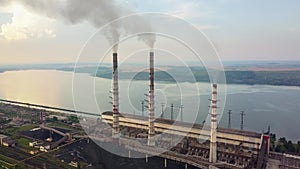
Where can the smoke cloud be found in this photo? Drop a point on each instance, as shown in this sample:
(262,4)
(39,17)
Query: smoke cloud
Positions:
(4,2)
(96,12)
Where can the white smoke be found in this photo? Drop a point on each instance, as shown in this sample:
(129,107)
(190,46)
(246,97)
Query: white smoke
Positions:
(96,12)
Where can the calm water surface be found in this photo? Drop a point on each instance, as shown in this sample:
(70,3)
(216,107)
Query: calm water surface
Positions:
(277,106)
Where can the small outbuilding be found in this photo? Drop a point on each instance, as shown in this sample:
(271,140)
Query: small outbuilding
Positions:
(8,142)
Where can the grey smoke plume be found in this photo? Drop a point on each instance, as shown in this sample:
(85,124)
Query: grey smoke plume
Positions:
(96,12)
(3,2)
(143,25)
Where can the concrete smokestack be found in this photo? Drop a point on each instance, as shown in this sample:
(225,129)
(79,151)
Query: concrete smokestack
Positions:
(213,131)
(115,97)
(151,132)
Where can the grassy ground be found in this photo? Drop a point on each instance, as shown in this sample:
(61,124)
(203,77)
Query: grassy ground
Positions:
(24,142)
(6,161)
(27,127)
(12,131)
(61,125)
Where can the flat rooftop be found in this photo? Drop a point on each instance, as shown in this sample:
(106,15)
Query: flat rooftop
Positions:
(187,124)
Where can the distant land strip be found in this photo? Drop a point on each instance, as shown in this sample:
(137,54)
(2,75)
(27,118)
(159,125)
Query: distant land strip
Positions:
(234,75)
(48,107)
(199,74)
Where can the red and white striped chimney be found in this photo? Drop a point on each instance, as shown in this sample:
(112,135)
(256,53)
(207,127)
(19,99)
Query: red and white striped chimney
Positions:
(115,97)
(151,132)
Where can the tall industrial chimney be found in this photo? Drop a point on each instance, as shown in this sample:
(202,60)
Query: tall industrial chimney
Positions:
(213,129)
(151,132)
(115,93)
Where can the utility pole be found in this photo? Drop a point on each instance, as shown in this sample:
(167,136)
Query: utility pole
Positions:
(269,129)
(41,117)
(143,106)
(162,110)
(229,119)
(181,112)
(242,120)
(172,111)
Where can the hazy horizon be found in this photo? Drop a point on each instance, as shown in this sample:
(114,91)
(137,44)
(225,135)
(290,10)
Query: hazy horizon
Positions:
(226,62)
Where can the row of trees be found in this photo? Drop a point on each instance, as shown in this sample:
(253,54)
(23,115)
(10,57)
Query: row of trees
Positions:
(283,146)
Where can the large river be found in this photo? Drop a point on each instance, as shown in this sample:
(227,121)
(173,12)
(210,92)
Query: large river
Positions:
(277,106)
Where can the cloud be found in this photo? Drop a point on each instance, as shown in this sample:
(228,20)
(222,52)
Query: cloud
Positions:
(294,30)
(205,27)
(185,10)
(25,25)
(96,12)
(194,11)
(189,9)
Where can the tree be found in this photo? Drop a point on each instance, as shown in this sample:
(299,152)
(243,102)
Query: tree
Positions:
(73,119)
(54,118)
(290,147)
(298,147)
(280,148)
(283,140)
(272,142)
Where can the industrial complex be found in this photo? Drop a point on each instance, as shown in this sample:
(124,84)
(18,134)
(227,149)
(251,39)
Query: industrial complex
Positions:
(199,145)
(56,136)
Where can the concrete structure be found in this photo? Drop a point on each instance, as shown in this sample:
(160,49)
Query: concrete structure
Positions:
(283,161)
(66,136)
(213,127)
(8,142)
(32,144)
(151,130)
(45,148)
(236,149)
(1,138)
(115,96)
(245,140)
(33,152)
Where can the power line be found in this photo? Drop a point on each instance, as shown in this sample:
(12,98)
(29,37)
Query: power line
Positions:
(181,112)
(162,110)
(242,120)
(229,119)
(143,106)
(172,111)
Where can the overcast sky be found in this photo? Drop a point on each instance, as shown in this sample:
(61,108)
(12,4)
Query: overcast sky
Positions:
(240,29)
